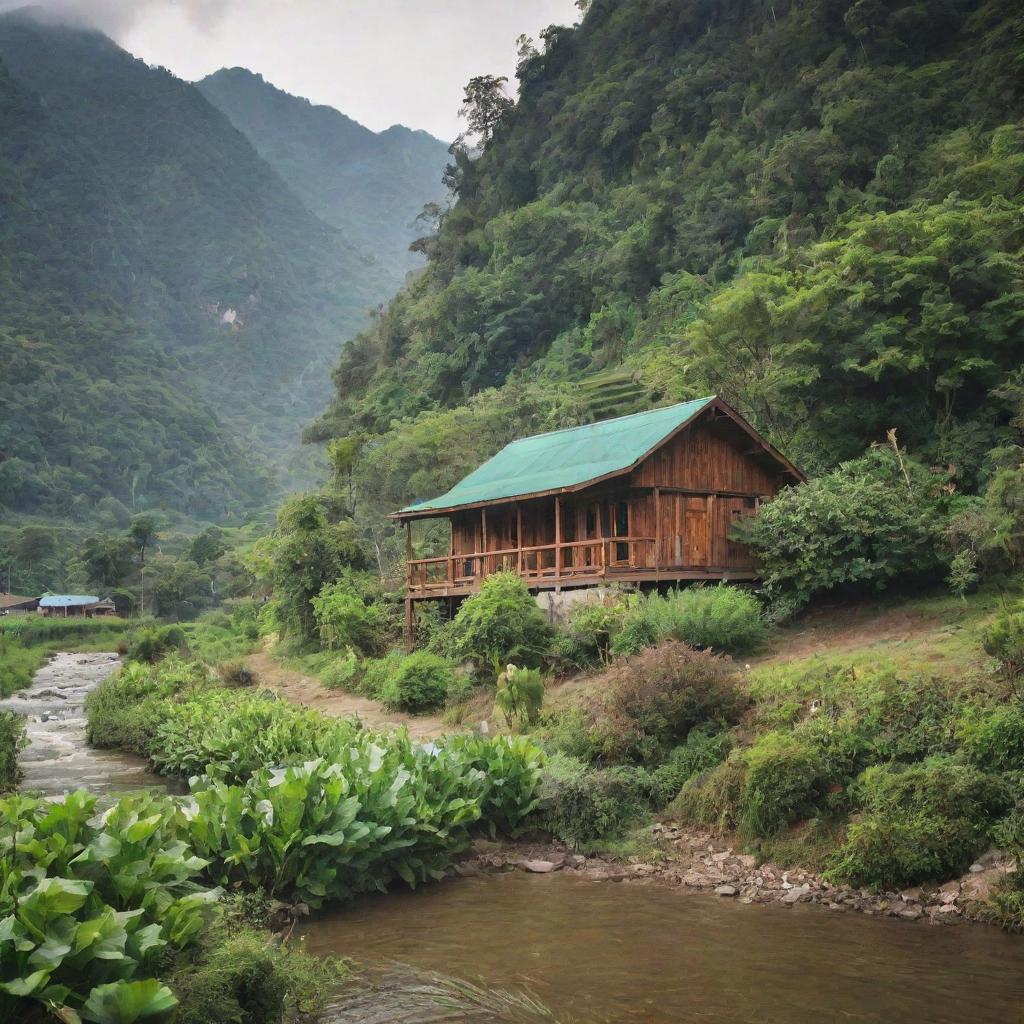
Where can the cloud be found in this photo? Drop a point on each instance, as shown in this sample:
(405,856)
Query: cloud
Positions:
(116,16)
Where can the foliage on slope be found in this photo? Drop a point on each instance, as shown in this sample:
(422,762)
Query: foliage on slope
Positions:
(169,307)
(810,207)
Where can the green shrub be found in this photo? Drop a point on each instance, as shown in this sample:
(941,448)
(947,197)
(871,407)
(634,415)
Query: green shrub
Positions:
(501,622)
(12,741)
(568,731)
(860,524)
(90,902)
(375,814)
(581,805)
(512,769)
(721,618)
(420,683)
(237,673)
(992,738)
(920,823)
(784,781)
(656,698)
(150,645)
(1006,902)
(905,718)
(586,639)
(125,709)
(712,799)
(519,695)
(377,672)
(1004,641)
(345,620)
(242,974)
(230,735)
(345,673)
(701,752)
(638,631)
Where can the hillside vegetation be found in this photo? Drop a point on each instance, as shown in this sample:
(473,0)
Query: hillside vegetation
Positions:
(811,208)
(169,307)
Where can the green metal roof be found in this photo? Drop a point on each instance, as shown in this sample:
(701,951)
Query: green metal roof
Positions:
(565,458)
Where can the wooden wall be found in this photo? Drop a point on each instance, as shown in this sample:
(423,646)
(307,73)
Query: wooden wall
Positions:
(710,457)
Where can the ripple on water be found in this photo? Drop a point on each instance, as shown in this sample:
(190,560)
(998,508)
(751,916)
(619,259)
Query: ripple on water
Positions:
(58,759)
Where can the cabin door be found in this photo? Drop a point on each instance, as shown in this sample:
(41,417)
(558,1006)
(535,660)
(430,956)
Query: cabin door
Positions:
(695,532)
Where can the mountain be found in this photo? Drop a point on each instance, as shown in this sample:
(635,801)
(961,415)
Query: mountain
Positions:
(170,308)
(370,185)
(811,207)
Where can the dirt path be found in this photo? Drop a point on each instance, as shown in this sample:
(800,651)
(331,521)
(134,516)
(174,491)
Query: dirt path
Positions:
(311,693)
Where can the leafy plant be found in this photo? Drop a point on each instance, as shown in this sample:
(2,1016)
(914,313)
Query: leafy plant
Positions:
(89,902)
(519,695)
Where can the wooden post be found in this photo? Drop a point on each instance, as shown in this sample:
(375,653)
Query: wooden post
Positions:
(519,536)
(451,563)
(408,552)
(657,529)
(410,628)
(558,537)
(483,542)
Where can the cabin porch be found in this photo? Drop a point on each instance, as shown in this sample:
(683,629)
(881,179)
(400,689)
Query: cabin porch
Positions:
(635,535)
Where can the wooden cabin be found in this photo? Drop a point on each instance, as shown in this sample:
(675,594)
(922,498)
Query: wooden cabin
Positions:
(644,499)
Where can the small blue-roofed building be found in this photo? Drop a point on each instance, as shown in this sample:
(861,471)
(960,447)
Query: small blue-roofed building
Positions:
(642,499)
(68,605)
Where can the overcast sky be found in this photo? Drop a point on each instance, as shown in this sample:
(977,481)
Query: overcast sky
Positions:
(380,61)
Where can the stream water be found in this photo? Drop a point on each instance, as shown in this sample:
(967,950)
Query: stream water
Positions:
(591,951)
(604,951)
(58,759)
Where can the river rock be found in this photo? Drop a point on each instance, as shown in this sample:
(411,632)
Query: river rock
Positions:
(539,867)
(725,890)
(796,894)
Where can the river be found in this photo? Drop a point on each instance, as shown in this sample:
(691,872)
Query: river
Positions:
(58,759)
(592,951)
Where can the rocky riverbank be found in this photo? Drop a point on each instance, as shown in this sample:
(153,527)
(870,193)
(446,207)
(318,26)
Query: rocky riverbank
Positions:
(699,860)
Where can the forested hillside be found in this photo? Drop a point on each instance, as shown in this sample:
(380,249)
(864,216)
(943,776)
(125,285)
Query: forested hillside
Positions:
(170,308)
(812,208)
(370,185)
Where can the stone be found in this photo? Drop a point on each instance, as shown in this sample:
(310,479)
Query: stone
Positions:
(539,867)
(725,890)
(911,913)
(720,858)
(976,869)
(746,860)
(796,894)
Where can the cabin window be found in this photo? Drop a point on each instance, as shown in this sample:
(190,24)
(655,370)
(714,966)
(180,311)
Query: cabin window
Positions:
(591,522)
(748,502)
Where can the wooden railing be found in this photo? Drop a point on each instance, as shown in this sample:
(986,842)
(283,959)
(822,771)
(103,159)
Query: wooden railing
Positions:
(569,560)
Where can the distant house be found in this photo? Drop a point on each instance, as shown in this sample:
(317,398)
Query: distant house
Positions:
(642,499)
(13,604)
(68,605)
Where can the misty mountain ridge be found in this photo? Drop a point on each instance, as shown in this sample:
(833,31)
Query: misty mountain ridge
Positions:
(169,306)
(355,179)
